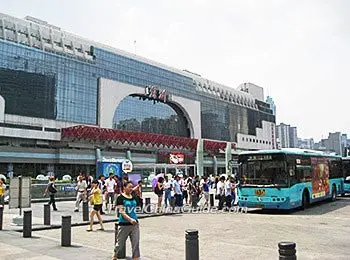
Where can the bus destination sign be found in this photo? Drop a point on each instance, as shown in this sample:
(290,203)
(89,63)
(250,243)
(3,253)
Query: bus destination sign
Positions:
(262,157)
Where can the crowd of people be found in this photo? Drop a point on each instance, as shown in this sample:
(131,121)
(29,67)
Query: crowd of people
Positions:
(111,188)
(109,194)
(185,190)
(114,194)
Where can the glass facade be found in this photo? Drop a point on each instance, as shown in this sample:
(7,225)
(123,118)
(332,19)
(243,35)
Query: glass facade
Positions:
(150,116)
(64,87)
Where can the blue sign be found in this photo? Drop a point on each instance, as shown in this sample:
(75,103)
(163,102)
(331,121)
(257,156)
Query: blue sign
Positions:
(69,188)
(105,168)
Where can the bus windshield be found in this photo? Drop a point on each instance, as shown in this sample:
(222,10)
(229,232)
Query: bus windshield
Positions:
(264,173)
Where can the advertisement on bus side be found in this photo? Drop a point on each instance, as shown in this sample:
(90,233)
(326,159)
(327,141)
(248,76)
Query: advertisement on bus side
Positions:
(320,177)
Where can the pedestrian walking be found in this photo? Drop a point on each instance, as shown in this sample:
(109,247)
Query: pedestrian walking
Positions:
(220,192)
(183,183)
(102,187)
(189,188)
(117,190)
(195,192)
(228,193)
(178,192)
(159,190)
(2,192)
(205,186)
(81,192)
(128,222)
(95,199)
(233,201)
(167,190)
(110,184)
(137,193)
(52,190)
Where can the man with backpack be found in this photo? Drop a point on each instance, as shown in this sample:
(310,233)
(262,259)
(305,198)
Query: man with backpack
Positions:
(52,190)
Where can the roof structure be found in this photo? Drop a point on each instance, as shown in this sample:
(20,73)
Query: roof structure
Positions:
(82,132)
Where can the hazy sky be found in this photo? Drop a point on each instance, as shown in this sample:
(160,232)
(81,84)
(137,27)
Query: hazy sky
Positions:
(297,50)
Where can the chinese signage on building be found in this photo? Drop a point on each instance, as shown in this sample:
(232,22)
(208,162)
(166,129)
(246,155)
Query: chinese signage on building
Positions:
(157,94)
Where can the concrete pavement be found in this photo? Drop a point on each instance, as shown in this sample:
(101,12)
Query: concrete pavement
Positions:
(321,233)
(64,208)
(13,246)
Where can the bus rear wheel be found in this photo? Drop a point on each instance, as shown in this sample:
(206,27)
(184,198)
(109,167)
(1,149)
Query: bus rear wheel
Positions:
(334,193)
(305,200)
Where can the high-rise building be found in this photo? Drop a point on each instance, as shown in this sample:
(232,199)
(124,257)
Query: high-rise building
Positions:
(270,101)
(282,133)
(293,137)
(344,141)
(334,142)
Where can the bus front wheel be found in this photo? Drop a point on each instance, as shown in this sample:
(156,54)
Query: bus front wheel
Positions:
(334,193)
(305,200)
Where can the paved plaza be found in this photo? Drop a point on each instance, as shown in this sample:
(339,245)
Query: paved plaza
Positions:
(321,232)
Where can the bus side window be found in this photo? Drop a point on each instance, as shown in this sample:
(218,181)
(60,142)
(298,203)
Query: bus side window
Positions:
(304,173)
(335,169)
(347,179)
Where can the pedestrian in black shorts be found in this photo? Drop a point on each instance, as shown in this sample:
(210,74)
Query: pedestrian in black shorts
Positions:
(51,189)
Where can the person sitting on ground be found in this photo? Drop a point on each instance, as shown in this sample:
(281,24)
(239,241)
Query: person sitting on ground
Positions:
(96,200)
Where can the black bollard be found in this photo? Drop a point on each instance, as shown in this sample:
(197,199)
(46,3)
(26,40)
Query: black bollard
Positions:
(1,215)
(27,223)
(287,251)
(147,208)
(121,254)
(66,231)
(47,215)
(211,200)
(192,245)
(85,211)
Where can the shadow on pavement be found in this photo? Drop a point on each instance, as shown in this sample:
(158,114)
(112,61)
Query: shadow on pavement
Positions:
(318,208)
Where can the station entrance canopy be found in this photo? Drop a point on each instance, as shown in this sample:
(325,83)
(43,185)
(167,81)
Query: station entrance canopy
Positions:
(134,138)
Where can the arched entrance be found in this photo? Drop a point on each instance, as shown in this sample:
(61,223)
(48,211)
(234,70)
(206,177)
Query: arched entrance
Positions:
(141,114)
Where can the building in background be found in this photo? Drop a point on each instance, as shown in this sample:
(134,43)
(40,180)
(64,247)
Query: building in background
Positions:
(306,143)
(62,96)
(334,143)
(272,104)
(293,137)
(344,142)
(256,91)
(321,145)
(287,136)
